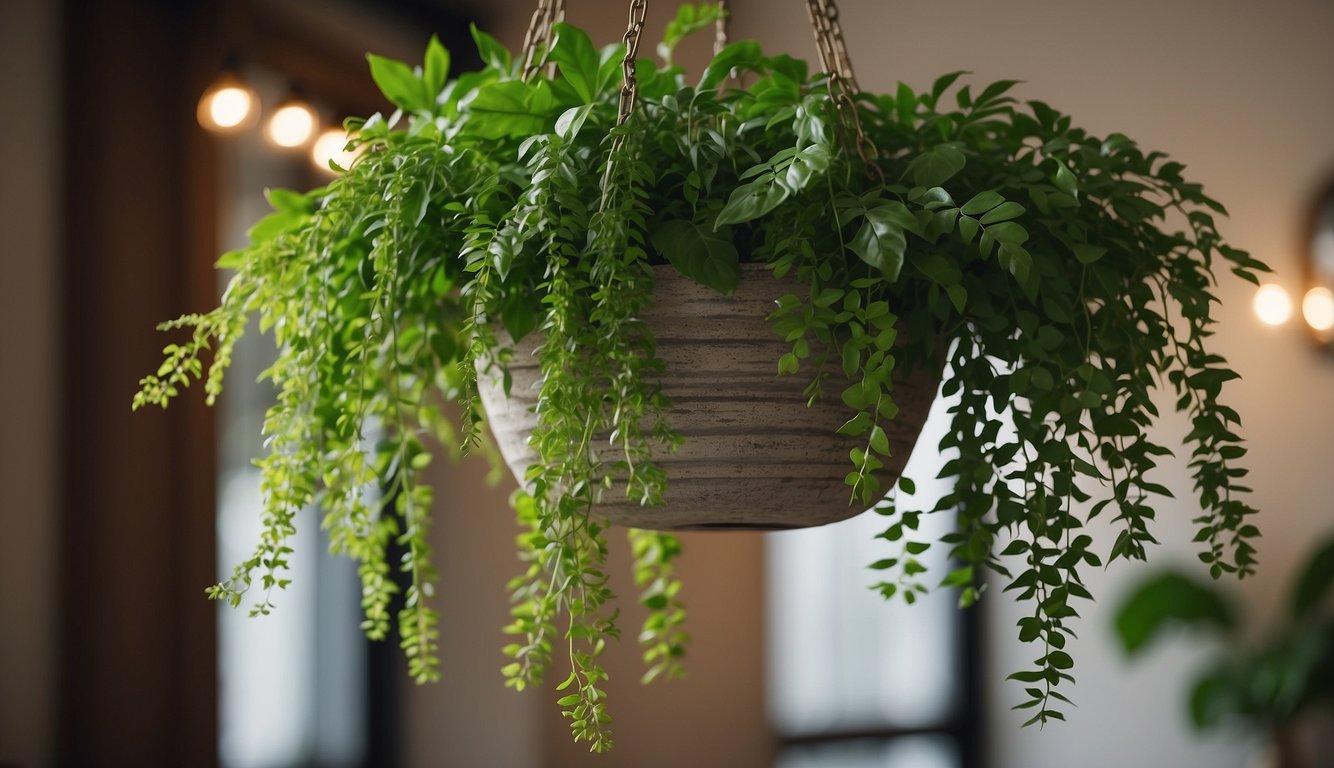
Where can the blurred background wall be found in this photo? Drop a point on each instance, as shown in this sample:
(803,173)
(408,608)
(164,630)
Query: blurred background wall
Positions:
(1239,91)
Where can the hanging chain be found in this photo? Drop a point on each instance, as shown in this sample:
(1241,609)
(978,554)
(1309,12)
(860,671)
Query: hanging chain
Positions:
(720,27)
(538,36)
(630,84)
(842,82)
(829,41)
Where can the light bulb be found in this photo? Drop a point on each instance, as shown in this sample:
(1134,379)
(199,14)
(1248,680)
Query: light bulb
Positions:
(329,147)
(227,106)
(1272,304)
(292,124)
(1318,308)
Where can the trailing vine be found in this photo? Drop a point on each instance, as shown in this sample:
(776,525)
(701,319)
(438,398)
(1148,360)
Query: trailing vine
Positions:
(1058,278)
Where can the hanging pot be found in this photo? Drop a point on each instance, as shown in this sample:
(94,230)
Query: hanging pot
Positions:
(754,455)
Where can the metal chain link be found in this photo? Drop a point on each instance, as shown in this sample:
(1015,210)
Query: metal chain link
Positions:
(842,82)
(629,83)
(538,36)
(721,27)
(828,42)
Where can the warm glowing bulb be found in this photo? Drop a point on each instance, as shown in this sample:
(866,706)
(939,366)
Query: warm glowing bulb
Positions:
(292,124)
(1318,308)
(228,106)
(1272,304)
(329,147)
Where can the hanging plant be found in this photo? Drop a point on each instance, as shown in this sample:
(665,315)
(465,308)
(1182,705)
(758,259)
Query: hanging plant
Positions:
(540,230)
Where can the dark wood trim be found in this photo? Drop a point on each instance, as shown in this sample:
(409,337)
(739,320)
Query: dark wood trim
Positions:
(138,647)
(965,726)
(138,643)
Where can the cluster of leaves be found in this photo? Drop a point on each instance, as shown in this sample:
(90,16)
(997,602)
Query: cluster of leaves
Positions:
(1269,684)
(1036,264)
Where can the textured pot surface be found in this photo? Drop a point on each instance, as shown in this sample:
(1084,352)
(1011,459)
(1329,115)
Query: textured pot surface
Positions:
(754,456)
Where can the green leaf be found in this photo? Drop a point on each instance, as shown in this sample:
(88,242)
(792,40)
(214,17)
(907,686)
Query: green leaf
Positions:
(702,255)
(1165,600)
(689,20)
(287,201)
(1064,179)
(881,246)
(936,166)
(398,84)
(435,70)
(1060,660)
(942,84)
(275,224)
(752,200)
(852,360)
(572,120)
(1003,212)
(578,60)
(1008,232)
(892,213)
(1215,694)
(491,52)
(1087,254)
(1314,584)
(510,108)
(982,202)
(879,443)
(967,229)
(743,56)
(958,296)
(857,425)
(519,314)
(993,91)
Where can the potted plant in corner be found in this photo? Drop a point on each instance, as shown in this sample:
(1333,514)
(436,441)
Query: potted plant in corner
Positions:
(1271,685)
(611,262)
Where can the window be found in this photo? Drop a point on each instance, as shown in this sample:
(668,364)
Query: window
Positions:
(858,682)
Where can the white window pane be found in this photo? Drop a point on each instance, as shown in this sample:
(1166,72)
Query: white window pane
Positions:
(840,657)
(903,752)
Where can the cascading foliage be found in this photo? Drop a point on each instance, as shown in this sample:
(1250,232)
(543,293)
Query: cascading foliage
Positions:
(1058,277)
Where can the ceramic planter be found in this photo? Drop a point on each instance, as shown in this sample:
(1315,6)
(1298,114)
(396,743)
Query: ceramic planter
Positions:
(754,456)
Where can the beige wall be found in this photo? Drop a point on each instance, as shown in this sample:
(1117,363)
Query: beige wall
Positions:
(29,360)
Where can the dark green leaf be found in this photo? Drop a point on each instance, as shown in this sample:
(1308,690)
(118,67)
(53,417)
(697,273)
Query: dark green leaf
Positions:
(1165,600)
(578,60)
(702,255)
(1065,180)
(752,200)
(936,166)
(1003,212)
(1087,254)
(744,55)
(1314,583)
(982,202)
(881,246)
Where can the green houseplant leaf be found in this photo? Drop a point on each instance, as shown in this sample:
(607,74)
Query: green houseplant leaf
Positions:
(1166,600)
(1313,585)
(704,256)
